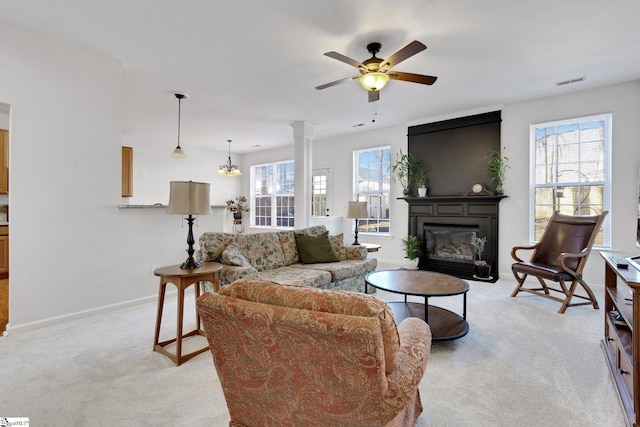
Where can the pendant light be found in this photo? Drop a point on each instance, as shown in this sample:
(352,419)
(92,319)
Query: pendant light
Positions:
(177,152)
(229,169)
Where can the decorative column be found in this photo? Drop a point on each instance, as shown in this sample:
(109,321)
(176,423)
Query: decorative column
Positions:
(303,133)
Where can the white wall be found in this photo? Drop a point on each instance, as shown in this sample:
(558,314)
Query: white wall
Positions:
(153,168)
(71,250)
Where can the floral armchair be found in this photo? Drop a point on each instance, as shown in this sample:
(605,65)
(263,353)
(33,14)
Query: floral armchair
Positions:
(290,355)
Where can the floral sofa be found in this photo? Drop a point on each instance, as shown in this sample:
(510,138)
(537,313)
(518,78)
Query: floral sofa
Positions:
(274,256)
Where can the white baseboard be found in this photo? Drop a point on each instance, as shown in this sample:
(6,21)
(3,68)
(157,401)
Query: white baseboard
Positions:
(79,315)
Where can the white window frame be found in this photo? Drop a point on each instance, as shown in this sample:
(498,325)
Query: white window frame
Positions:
(273,195)
(370,196)
(606,182)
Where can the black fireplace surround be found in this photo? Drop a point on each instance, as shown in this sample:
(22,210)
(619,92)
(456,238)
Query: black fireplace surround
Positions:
(445,225)
(454,152)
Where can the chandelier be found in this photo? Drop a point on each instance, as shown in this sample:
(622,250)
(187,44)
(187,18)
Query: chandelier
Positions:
(229,169)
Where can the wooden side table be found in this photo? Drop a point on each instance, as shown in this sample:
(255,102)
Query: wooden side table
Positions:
(182,278)
(371,247)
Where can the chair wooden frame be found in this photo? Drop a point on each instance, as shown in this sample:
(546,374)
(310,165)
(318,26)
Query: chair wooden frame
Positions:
(560,257)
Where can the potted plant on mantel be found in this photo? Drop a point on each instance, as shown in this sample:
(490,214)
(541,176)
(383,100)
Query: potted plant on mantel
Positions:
(481,269)
(497,166)
(420,176)
(411,245)
(406,170)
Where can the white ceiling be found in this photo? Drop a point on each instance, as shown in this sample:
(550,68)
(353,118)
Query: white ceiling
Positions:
(250,66)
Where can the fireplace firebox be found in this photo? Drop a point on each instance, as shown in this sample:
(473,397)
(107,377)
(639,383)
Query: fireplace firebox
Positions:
(446,225)
(449,243)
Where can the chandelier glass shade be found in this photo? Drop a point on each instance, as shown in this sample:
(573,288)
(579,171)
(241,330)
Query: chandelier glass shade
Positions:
(374,81)
(229,169)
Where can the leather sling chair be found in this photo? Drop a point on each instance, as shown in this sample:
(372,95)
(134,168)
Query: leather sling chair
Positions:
(560,257)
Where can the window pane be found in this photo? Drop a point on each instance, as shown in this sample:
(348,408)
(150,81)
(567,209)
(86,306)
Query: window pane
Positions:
(262,206)
(285,208)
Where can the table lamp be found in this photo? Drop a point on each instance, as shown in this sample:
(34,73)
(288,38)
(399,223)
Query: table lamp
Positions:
(189,198)
(357,210)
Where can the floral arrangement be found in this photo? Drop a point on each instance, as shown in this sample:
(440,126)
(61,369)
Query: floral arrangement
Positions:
(238,205)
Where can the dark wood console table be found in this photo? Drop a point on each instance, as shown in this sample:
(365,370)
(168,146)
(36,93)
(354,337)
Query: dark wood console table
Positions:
(621,343)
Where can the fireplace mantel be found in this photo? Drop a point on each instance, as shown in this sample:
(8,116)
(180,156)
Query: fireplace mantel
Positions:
(447,199)
(478,212)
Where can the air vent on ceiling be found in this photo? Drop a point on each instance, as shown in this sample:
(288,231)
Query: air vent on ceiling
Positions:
(570,81)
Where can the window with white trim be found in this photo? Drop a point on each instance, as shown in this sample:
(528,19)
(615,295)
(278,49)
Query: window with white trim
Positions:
(570,171)
(372,184)
(272,194)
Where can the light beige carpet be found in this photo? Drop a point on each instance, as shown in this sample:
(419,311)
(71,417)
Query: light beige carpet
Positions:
(521,364)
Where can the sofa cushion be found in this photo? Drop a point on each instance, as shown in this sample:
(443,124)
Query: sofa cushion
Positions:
(212,245)
(232,256)
(231,273)
(343,269)
(263,250)
(314,249)
(297,276)
(339,302)
(288,242)
(337,243)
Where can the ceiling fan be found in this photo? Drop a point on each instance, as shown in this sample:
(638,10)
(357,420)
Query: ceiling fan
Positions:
(376,72)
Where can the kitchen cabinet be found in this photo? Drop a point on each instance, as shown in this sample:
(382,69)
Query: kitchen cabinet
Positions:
(127,172)
(4,251)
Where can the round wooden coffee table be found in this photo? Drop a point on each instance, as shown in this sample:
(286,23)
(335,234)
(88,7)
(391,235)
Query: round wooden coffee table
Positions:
(444,324)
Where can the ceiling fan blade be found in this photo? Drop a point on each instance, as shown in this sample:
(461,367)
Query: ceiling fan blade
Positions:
(406,52)
(410,77)
(374,95)
(345,59)
(337,82)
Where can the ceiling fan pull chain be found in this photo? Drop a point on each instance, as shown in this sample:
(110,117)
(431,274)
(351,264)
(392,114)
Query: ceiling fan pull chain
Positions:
(374,105)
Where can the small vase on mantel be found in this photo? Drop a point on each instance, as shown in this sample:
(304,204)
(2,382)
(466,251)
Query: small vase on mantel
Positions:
(422,191)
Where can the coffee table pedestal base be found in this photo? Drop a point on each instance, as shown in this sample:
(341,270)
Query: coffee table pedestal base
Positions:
(444,324)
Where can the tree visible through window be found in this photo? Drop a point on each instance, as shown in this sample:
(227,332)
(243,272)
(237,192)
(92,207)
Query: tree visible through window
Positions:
(570,171)
(272,195)
(372,183)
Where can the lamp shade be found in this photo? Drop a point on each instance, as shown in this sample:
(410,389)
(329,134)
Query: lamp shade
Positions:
(374,81)
(189,198)
(357,210)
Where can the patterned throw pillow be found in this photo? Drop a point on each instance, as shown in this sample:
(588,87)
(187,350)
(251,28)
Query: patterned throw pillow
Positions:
(232,256)
(337,243)
(314,249)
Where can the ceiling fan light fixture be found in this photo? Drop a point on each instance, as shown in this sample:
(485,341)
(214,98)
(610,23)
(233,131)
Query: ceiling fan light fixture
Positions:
(229,169)
(374,81)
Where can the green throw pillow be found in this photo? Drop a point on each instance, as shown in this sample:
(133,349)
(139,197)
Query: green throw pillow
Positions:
(314,249)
